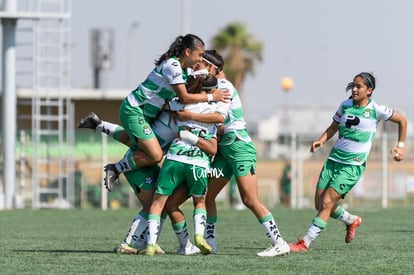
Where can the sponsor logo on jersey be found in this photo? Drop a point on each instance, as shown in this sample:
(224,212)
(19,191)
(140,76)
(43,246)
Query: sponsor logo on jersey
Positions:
(177,75)
(338,114)
(357,159)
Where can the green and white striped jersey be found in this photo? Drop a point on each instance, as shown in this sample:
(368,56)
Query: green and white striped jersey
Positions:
(234,120)
(185,152)
(357,128)
(151,94)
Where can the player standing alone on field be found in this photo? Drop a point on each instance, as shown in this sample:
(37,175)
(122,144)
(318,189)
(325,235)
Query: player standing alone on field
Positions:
(356,122)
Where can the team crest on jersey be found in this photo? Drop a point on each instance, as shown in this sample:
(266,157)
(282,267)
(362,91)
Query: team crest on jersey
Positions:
(367,113)
(148,180)
(147,130)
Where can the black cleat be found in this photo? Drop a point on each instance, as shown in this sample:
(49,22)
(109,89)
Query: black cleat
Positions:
(91,121)
(111,176)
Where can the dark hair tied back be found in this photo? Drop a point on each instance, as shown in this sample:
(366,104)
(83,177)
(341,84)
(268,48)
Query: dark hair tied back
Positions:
(349,86)
(368,78)
(213,57)
(180,44)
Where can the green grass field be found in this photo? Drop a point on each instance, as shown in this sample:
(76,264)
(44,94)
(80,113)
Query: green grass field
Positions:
(81,242)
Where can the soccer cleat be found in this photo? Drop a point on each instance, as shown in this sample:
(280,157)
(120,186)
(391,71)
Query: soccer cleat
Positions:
(299,246)
(351,228)
(158,249)
(150,250)
(202,244)
(188,249)
(275,250)
(125,249)
(140,246)
(111,176)
(91,121)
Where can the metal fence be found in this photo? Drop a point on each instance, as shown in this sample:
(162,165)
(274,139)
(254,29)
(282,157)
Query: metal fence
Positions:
(385,183)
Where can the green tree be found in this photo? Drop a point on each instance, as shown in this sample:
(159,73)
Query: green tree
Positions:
(240,51)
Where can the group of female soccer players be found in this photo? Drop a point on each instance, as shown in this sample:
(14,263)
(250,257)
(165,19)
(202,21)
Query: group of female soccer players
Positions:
(188,116)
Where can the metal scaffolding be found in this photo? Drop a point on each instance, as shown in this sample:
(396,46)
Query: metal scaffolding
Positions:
(38,32)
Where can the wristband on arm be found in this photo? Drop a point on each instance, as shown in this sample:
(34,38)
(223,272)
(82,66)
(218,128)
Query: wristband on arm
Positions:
(188,137)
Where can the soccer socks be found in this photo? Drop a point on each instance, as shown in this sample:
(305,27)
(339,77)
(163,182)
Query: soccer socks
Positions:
(109,128)
(210,232)
(127,163)
(270,227)
(343,215)
(181,232)
(199,215)
(137,228)
(130,237)
(153,229)
(316,227)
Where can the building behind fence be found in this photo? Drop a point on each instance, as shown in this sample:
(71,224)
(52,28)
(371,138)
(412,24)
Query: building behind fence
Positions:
(397,190)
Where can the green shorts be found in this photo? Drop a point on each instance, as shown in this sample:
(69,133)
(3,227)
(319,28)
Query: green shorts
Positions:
(174,173)
(236,157)
(134,123)
(339,176)
(143,178)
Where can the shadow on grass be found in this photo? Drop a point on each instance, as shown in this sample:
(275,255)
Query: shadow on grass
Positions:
(62,251)
(403,230)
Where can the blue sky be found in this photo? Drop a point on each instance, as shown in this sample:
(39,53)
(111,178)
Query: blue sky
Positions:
(321,44)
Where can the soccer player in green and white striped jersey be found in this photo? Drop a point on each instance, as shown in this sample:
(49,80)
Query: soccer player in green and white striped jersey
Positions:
(141,106)
(356,122)
(236,156)
(143,180)
(187,163)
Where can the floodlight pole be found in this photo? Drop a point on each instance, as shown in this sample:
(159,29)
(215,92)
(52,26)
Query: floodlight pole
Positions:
(9,113)
(293,171)
(185,20)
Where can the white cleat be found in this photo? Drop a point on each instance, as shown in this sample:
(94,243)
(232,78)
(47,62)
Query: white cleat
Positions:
(188,249)
(279,249)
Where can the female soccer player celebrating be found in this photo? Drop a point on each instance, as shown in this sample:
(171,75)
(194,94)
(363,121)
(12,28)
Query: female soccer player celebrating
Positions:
(356,122)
